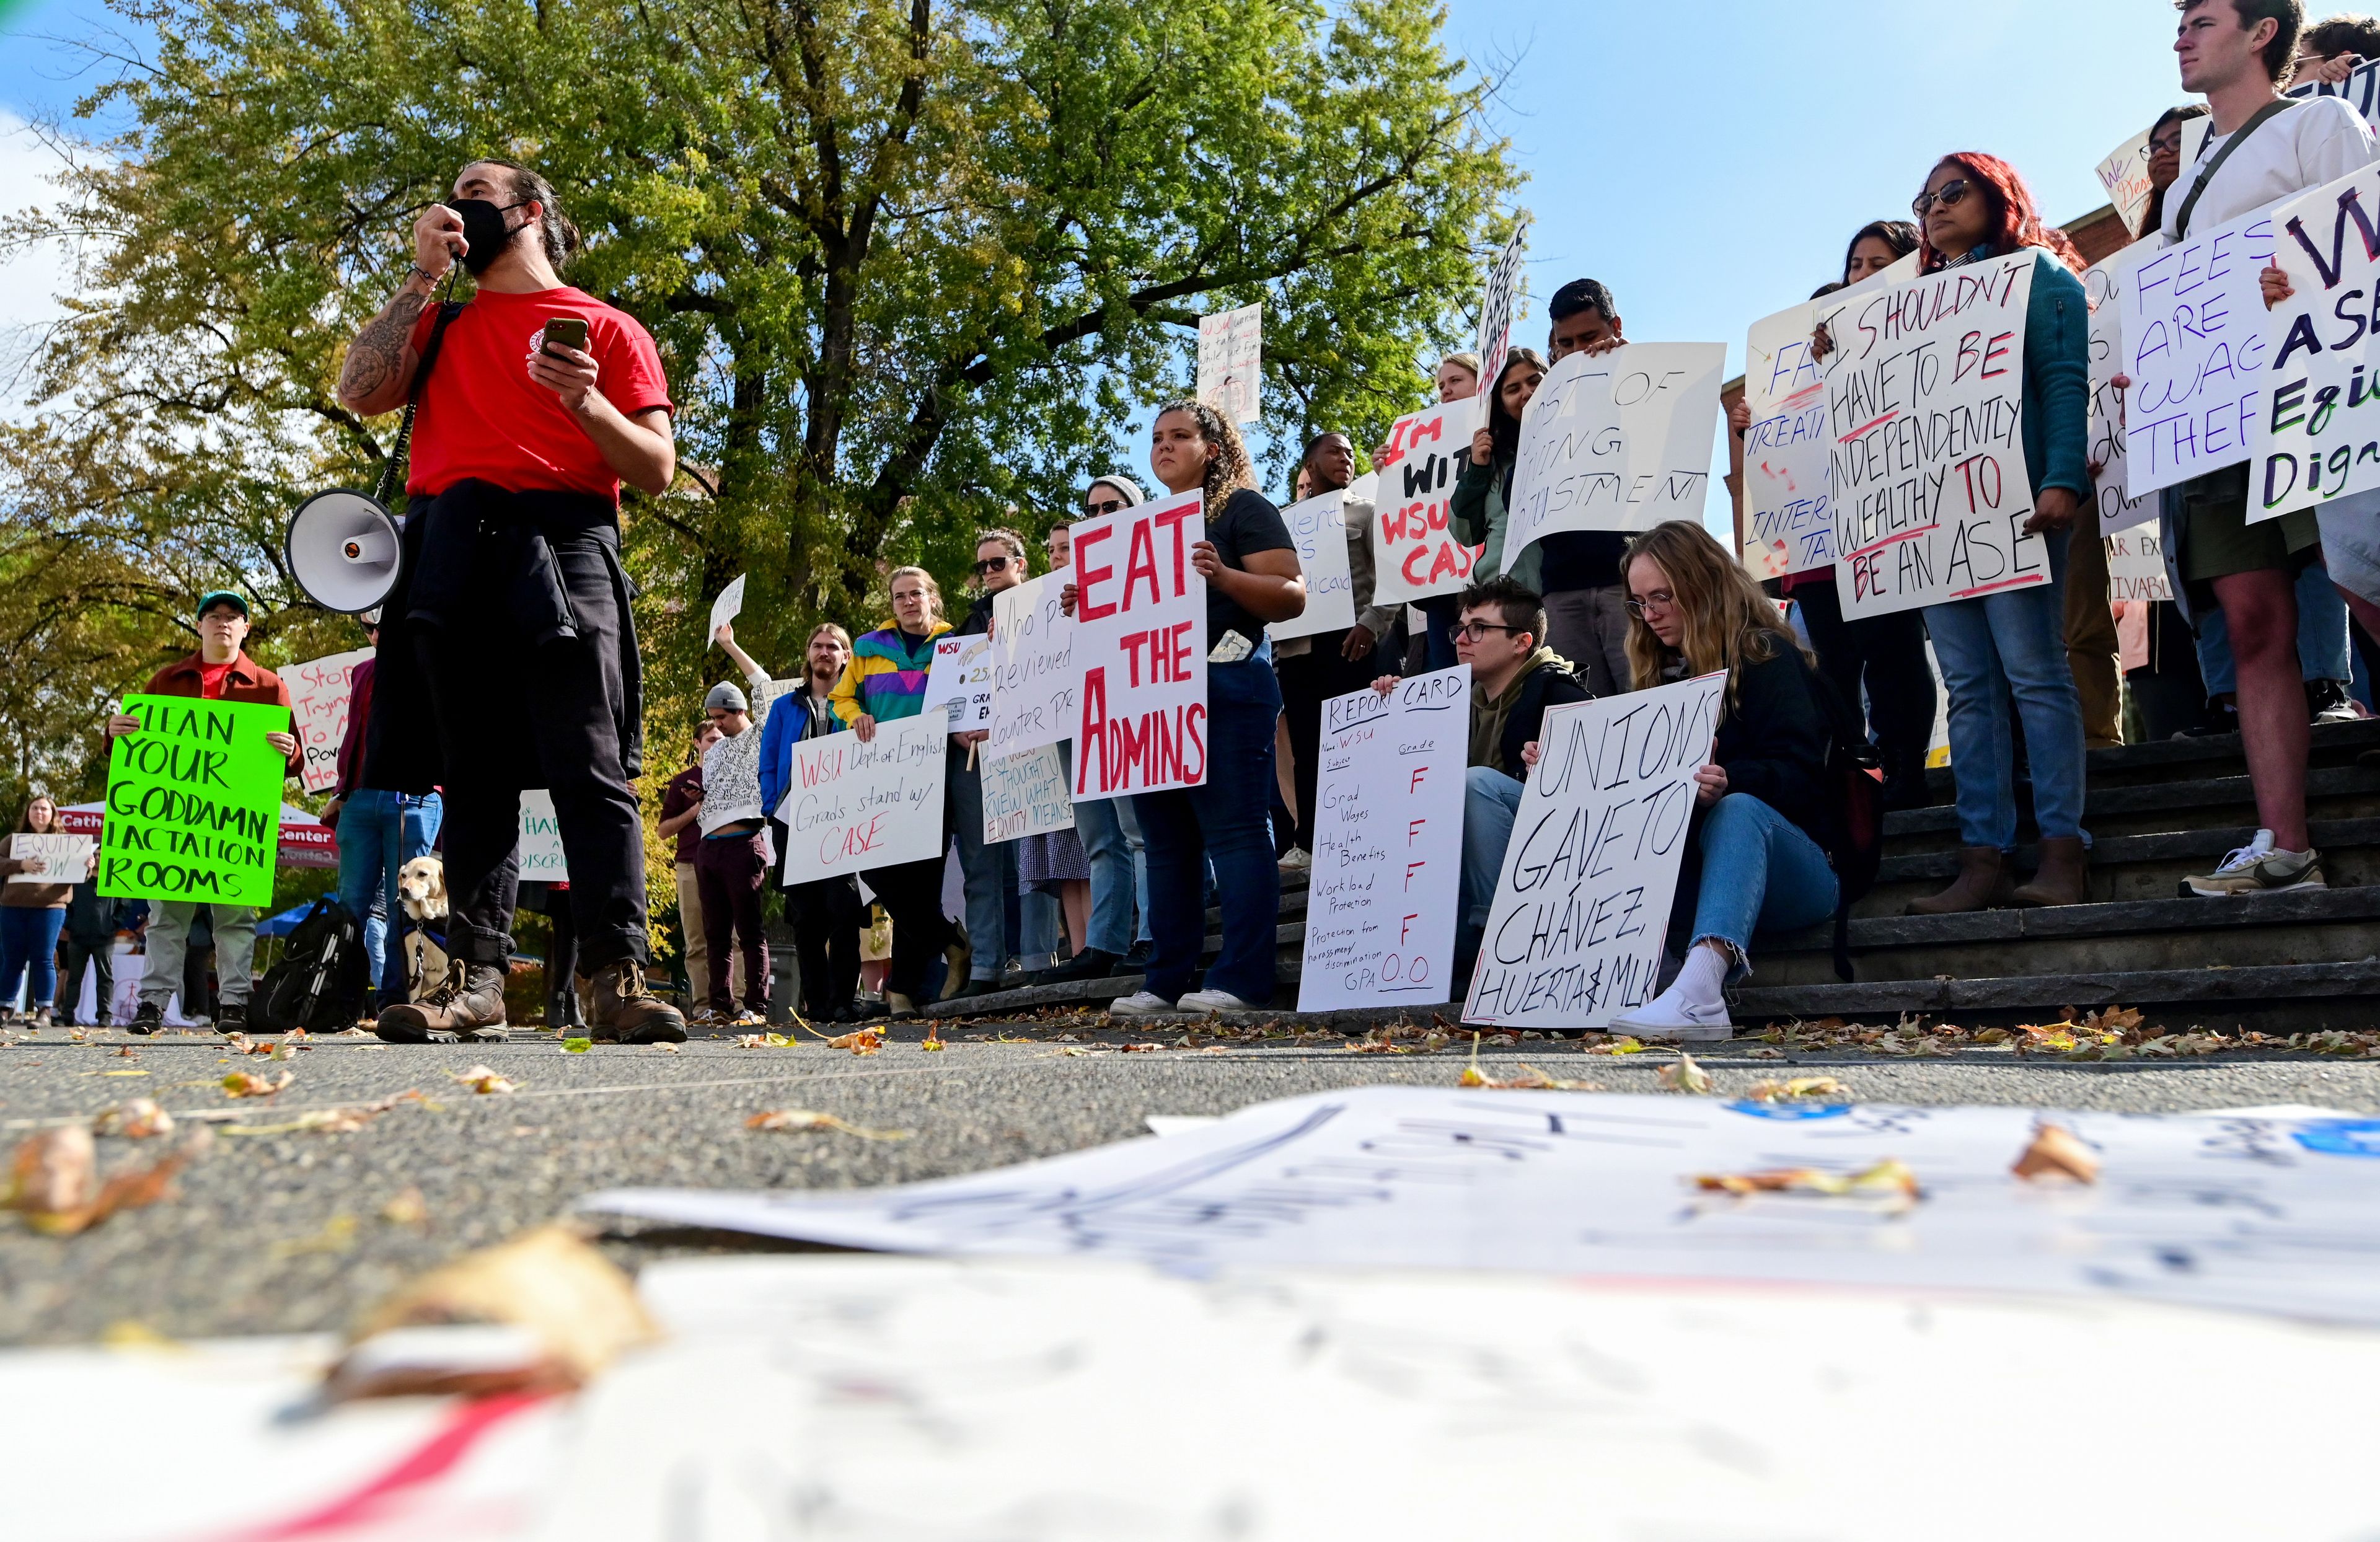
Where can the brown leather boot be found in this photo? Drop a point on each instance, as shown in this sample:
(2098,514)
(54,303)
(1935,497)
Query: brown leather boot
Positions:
(620,1009)
(1982,884)
(469,1004)
(2064,877)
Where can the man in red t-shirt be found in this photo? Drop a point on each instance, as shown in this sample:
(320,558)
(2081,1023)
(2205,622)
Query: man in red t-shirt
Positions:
(219,671)
(507,657)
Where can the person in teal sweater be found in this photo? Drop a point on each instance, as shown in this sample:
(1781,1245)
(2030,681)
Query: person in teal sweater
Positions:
(2011,642)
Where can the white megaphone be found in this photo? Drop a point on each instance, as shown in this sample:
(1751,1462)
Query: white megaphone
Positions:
(343,551)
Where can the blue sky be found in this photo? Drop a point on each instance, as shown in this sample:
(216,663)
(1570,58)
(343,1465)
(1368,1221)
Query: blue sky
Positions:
(1707,160)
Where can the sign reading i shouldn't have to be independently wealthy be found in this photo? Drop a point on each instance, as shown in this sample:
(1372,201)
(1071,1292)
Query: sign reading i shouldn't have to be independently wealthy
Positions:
(194,802)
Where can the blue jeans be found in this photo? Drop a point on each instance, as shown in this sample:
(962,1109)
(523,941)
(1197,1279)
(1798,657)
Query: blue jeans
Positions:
(1490,801)
(28,945)
(2323,642)
(986,868)
(1760,871)
(1225,819)
(379,833)
(1099,824)
(1128,818)
(1989,647)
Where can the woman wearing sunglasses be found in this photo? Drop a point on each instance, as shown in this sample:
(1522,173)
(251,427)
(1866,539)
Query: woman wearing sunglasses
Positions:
(1756,855)
(1000,564)
(1973,208)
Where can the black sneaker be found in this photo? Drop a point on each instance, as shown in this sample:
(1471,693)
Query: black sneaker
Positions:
(232,1018)
(1133,962)
(148,1018)
(1091,964)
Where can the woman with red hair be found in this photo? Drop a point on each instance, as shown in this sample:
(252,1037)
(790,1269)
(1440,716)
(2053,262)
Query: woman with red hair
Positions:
(1976,208)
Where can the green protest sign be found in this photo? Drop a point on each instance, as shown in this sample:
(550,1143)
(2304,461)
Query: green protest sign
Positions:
(194,802)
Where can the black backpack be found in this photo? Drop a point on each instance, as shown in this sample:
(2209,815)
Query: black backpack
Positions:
(320,983)
(1854,784)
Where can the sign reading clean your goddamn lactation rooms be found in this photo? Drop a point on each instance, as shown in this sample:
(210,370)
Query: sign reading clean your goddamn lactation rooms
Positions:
(194,802)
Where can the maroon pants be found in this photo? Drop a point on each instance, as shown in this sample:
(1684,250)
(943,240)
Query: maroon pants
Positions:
(731,872)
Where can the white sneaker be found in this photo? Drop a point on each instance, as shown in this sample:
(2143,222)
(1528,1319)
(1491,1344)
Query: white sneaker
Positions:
(1671,1015)
(1212,1001)
(1299,860)
(1141,1003)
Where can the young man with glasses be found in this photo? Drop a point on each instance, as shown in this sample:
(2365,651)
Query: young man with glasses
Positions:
(1000,563)
(1514,678)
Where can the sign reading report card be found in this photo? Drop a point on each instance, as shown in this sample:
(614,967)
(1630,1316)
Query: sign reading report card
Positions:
(2103,286)
(319,693)
(1032,667)
(1140,640)
(2321,440)
(1414,554)
(851,807)
(1388,844)
(1574,936)
(1318,527)
(1025,795)
(2195,346)
(1924,396)
(194,802)
(1230,350)
(1618,440)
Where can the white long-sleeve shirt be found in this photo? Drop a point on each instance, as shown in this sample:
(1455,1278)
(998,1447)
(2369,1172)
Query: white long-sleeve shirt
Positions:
(731,769)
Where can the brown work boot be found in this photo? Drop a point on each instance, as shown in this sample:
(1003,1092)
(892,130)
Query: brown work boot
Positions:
(469,1004)
(2064,877)
(620,1009)
(1982,884)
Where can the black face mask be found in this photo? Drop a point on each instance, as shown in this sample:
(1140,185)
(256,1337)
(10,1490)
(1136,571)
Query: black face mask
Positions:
(485,230)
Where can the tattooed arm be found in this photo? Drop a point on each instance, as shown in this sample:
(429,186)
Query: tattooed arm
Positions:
(379,369)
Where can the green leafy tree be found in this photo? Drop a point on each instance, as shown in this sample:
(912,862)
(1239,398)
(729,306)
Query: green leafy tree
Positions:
(913,267)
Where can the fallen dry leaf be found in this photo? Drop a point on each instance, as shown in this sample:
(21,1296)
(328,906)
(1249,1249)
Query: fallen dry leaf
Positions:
(407,1208)
(52,1178)
(481,1079)
(136,1118)
(1623,1045)
(127,1052)
(663,1045)
(763,1041)
(1685,1075)
(576,1046)
(933,1040)
(1531,1079)
(1795,1089)
(867,1041)
(337,1235)
(241,1083)
(1141,1048)
(810,1119)
(1889,1176)
(2056,1153)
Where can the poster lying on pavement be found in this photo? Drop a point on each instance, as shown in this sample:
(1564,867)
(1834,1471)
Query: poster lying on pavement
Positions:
(2262,1215)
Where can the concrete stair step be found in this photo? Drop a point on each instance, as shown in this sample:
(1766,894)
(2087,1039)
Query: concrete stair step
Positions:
(2193,760)
(2290,998)
(2134,866)
(2332,792)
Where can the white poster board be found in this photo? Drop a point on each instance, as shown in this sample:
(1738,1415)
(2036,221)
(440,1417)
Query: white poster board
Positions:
(2322,438)
(728,606)
(1141,641)
(319,692)
(1230,362)
(1033,678)
(960,681)
(540,851)
(1318,527)
(1388,844)
(2125,175)
(850,806)
(2103,286)
(1575,933)
(2195,346)
(1789,527)
(1414,554)
(1925,394)
(2136,565)
(53,858)
(1500,301)
(1617,441)
(1026,793)
(2361,88)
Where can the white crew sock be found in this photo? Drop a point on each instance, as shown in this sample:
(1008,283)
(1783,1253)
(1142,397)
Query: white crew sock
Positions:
(1702,981)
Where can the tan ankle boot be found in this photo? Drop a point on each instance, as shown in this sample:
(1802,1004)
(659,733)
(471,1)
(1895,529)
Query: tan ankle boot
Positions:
(2064,877)
(620,1009)
(467,1005)
(1982,884)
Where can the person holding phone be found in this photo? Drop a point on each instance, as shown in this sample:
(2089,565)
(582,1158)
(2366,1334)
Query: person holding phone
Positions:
(508,656)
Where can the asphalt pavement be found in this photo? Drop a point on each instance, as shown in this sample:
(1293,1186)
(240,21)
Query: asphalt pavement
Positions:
(274,1229)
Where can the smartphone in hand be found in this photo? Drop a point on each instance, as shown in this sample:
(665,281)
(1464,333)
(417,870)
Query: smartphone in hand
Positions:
(568,332)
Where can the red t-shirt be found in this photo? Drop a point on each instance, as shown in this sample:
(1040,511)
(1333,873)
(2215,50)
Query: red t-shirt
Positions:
(482,415)
(212,677)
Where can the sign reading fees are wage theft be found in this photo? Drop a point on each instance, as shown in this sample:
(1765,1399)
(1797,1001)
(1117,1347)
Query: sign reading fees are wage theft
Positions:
(194,802)
(2196,346)
(1575,933)
(1925,405)
(1414,554)
(1141,641)
(851,807)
